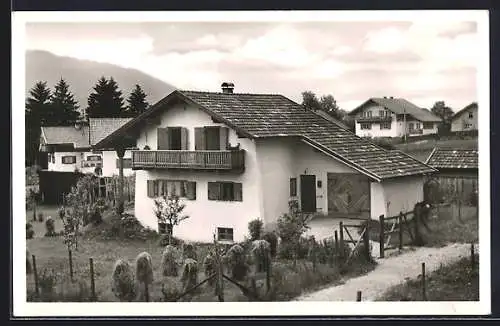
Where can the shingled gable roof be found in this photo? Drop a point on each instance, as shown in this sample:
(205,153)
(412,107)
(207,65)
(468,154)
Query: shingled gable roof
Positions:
(100,128)
(270,115)
(79,138)
(400,106)
(453,158)
(461,111)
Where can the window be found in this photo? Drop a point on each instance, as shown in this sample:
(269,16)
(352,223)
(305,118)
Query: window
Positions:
(387,113)
(224,234)
(211,138)
(225,191)
(68,159)
(127,163)
(293,187)
(381,113)
(471,115)
(468,125)
(181,188)
(417,125)
(428,125)
(93,158)
(369,114)
(385,125)
(53,158)
(172,138)
(366,126)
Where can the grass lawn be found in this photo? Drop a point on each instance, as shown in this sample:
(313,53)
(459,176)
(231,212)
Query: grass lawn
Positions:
(52,255)
(453,282)
(39,227)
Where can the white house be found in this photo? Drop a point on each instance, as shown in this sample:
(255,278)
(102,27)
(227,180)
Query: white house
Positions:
(236,157)
(465,119)
(69,148)
(393,117)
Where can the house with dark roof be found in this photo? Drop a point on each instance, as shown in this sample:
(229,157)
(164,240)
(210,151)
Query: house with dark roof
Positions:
(234,157)
(69,148)
(393,117)
(458,171)
(465,119)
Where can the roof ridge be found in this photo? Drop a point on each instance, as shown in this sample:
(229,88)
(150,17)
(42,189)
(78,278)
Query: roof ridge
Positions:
(222,93)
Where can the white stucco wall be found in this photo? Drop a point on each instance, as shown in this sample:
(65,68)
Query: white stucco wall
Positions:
(402,194)
(205,215)
(59,166)
(459,122)
(109,163)
(377,200)
(375,130)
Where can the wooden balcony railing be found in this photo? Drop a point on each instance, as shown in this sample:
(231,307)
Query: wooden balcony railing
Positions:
(194,160)
(374,119)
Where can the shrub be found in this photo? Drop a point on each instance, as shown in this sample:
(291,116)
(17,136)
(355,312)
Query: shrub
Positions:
(40,217)
(29,231)
(272,238)
(46,282)
(123,285)
(168,261)
(261,255)
(255,229)
(236,262)
(291,227)
(50,227)
(189,276)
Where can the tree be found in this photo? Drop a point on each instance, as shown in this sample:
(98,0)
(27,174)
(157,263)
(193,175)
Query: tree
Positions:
(36,112)
(168,211)
(106,100)
(136,102)
(310,101)
(445,113)
(326,103)
(64,107)
(329,105)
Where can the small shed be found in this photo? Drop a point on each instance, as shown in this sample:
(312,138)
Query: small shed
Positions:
(457,177)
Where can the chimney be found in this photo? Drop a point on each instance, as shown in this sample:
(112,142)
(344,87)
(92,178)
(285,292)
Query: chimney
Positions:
(227,88)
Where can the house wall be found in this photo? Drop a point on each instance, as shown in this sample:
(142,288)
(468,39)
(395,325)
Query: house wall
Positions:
(205,215)
(109,164)
(458,124)
(377,200)
(375,130)
(59,166)
(401,194)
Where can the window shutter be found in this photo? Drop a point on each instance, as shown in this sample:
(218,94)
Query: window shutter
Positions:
(184,139)
(150,188)
(224,138)
(162,141)
(293,187)
(199,139)
(155,188)
(214,190)
(161,187)
(190,190)
(238,191)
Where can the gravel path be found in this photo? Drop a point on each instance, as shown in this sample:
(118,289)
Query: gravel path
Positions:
(389,272)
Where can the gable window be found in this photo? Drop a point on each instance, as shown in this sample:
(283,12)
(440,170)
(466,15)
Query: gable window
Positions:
(385,125)
(224,234)
(180,188)
(293,187)
(225,191)
(366,126)
(127,163)
(211,138)
(428,125)
(68,159)
(172,138)
(471,115)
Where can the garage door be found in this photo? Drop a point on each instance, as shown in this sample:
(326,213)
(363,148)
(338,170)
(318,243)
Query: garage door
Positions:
(348,195)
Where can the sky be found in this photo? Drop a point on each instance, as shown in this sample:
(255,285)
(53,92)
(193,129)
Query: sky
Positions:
(422,61)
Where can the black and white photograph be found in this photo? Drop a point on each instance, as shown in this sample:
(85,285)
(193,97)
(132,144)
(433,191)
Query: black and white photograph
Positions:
(251,163)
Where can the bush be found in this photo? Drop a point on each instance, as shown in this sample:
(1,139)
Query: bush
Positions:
(291,227)
(130,228)
(166,239)
(123,285)
(50,227)
(46,282)
(29,231)
(272,238)
(237,262)
(168,261)
(40,217)
(255,228)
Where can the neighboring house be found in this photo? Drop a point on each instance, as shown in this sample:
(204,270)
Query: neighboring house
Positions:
(69,148)
(235,157)
(393,117)
(457,175)
(465,119)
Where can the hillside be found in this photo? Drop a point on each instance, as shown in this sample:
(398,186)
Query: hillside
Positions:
(82,76)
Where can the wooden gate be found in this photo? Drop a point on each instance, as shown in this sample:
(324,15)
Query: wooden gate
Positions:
(348,195)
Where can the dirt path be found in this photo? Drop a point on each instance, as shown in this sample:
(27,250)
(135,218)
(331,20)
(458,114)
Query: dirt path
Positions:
(389,272)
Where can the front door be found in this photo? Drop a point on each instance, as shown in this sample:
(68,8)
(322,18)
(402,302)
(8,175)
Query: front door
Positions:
(308,193)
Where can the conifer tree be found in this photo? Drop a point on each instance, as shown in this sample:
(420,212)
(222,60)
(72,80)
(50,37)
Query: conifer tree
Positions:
(64,105)
(37,114)
(106,100)
(137,103)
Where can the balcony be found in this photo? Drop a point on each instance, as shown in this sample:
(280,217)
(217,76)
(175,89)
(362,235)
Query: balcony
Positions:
(233,160)
(374,119)
(416,131)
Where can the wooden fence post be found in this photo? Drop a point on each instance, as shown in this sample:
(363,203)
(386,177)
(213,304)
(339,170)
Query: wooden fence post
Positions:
(366,242)
(341,240)
(381,235)
(35,275)
(92,281)
(400,233)
(424,294)
(472,256)
(146,291)
(336,241)
(358,296)
(70,264)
